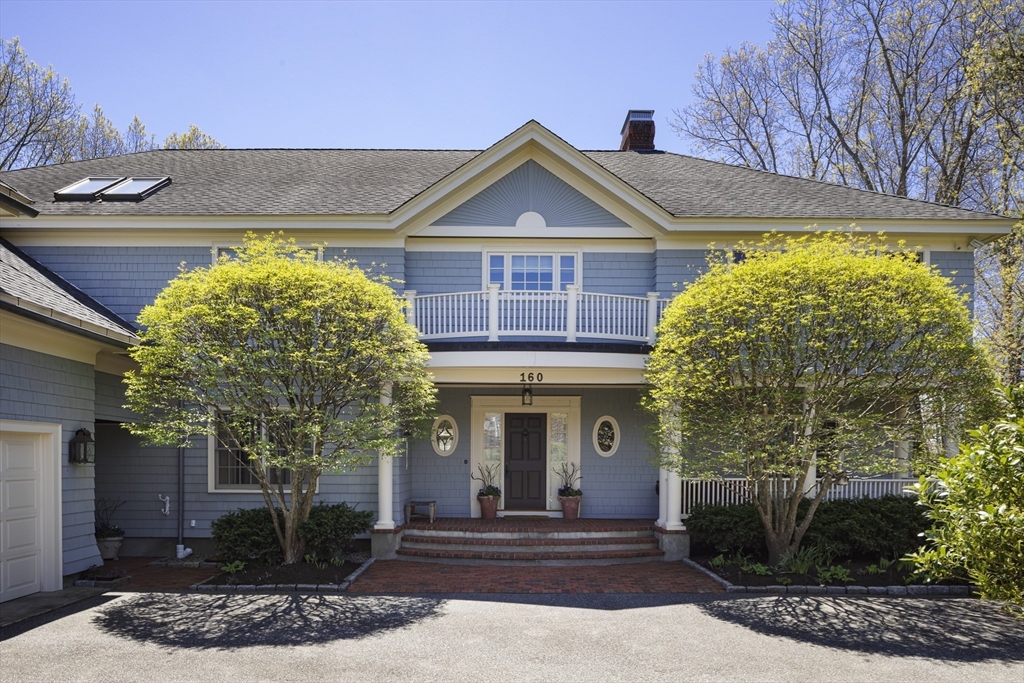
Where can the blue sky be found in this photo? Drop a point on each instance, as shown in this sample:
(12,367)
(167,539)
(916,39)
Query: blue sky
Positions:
(388,74)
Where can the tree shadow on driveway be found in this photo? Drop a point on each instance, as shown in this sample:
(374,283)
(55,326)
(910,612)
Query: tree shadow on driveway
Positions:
(945,630)
(193,620)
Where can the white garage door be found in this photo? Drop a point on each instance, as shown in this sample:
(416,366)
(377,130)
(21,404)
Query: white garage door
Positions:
(21,514)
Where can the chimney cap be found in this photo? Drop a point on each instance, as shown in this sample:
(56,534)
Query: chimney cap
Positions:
(637,115)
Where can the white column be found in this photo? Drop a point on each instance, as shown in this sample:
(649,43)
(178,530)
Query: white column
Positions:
(385,486)
(662,497)
(674,503)
(570,312)
(492,312)
(902,450)
(652,316)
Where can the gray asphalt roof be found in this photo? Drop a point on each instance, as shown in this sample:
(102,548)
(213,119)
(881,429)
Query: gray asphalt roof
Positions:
(353,181)
(31,287)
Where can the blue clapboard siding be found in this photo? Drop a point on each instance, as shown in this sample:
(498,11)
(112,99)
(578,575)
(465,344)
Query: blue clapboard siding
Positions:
(441,272)
(958,266)
(531,187)
(621,486)
(124,279)
(618,273)
(37,387)
(676,268)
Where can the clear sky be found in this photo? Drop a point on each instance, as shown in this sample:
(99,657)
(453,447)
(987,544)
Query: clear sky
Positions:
(446,75)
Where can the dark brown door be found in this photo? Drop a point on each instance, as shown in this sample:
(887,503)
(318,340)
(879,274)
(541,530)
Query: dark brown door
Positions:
(526,460)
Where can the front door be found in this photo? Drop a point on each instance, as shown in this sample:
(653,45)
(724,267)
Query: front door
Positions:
(526,460)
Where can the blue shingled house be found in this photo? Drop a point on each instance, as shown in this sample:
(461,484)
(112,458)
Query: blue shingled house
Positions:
(534,271)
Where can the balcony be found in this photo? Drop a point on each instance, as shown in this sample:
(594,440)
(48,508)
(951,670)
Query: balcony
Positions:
(570,315)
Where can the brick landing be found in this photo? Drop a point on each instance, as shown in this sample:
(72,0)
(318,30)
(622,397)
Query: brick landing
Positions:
(395,576)
(147,578)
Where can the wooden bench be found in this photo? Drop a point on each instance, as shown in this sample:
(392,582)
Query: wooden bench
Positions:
(410,509)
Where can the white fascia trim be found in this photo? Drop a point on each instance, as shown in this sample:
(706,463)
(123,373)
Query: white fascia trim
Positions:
(993,226)
(368,222)
(34,335)
(558,368)
(52,436)
(536,359)
(155,236)
(46,312)
(430,244)
(529,233)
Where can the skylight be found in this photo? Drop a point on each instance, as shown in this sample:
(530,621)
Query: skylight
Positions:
(135,188)
(86,189)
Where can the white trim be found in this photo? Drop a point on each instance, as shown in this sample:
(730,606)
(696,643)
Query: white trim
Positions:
(558,367)
(530,233)
(615,443)
(584,244)
(25,333)
(455,435)
(51,438)
(513,404)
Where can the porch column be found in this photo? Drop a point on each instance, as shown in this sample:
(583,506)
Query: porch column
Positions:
(652,316)
(570,312)
(492,312)
(410,308)
(902,449)
(662,497)
(674,503)
(385,516)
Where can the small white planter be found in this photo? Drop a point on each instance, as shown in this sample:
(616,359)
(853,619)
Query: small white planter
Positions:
(109,547)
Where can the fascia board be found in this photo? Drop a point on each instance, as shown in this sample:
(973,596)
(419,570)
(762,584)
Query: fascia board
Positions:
(221,235)
(981,226)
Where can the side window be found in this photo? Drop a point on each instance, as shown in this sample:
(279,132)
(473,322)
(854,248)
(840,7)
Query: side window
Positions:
(232,470)
(496,267)
(566,271)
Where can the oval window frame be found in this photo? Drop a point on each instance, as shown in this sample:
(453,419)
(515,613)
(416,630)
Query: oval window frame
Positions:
(455,435)
(618,435)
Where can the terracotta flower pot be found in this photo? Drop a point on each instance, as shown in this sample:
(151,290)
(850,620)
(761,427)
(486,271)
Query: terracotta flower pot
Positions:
(488,506)
(570,506)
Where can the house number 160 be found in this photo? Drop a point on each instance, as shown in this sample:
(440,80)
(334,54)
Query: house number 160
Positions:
(531,377)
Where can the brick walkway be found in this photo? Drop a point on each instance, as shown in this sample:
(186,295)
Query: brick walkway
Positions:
(396,576)
(146,578)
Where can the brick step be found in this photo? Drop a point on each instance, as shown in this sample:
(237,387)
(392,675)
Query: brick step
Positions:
(532,545)
(579,557)
(539,535)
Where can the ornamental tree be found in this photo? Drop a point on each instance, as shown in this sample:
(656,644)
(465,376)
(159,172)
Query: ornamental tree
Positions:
(284,359)
(976,503)
(805,361)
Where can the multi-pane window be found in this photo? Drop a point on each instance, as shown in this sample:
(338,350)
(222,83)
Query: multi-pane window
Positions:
(532,272)
(232,469)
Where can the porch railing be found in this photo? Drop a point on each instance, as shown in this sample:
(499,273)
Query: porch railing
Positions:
(734,490)
(568,314)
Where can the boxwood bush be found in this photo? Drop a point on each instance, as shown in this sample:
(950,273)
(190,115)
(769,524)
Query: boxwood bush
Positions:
(861,528)
(248,534)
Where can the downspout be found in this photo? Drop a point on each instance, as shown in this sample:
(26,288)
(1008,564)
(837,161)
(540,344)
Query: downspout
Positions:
(182,551)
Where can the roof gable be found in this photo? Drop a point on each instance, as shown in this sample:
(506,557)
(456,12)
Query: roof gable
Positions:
(530,188)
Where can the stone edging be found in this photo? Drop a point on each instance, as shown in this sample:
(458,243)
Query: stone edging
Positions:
(185,564)
(204,587)
(93,583)
(911,591)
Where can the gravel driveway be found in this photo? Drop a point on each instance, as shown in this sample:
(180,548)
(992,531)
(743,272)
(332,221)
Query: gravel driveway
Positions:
(189,636)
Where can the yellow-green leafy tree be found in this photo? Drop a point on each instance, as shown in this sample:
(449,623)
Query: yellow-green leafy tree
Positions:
(806,361)
(285,359)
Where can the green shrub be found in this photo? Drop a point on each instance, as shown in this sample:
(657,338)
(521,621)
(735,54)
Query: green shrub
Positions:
(977,506)
(726,529)
(247,535)
(330,528)
(868,528)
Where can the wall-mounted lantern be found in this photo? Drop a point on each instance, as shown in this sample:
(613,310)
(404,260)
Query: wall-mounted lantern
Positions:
(82,449)
(527,395)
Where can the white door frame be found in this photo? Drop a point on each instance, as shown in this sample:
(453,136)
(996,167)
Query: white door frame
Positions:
(514,404)
(50,436)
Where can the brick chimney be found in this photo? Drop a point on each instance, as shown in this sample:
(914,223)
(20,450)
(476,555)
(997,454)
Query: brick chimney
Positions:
(638,130)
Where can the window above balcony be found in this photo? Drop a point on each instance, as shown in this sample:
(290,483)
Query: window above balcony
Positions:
(533,272)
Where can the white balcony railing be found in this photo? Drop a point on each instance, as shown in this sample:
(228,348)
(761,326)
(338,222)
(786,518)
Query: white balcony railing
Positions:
(566,314)
(734,490)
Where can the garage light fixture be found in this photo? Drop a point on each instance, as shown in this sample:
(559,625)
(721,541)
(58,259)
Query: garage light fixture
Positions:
(528,395)
(82,449)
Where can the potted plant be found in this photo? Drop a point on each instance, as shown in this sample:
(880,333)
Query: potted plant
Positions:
(490,493)
(108,535)
(569,494)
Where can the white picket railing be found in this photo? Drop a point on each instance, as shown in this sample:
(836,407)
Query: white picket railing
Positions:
(734,490)
(555,314)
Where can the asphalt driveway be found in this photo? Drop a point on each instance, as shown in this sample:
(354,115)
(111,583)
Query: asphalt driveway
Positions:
(190,636)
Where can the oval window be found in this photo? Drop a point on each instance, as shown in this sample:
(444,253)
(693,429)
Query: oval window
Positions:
(606,436)
(444,435)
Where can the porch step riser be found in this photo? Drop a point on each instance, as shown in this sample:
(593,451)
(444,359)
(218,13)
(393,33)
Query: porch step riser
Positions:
(652,544)
(531,563)
(643,533)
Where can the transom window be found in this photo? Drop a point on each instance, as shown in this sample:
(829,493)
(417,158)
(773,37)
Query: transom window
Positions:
(532,272)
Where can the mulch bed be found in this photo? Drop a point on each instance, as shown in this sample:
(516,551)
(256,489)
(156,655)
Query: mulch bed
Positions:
(894,575)
(300,572)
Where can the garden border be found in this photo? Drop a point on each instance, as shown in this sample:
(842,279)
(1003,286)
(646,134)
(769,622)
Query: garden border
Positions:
(204,587)
(914,591)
